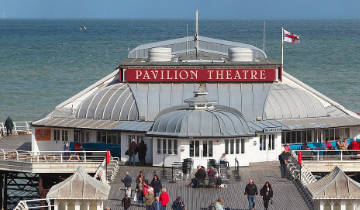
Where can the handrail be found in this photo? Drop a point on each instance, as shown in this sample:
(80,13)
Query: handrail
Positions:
(52,156)
(23,204)
(322,155)
(18,126)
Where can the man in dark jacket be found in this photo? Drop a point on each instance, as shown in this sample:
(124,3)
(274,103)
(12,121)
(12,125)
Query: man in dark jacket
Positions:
(251,192)
(200,175)
(132,151)
(127,180)
(156,184)
(9,125)
(178,204)
(142,152)
(126,202)
(283,158)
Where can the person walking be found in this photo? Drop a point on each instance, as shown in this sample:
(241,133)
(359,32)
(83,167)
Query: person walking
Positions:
(132,152)
(266,193)
(139,191)
(164,199)
(9,125)
(283,159)
(149,199)
(126,202)
(127,180)
(142,152)
(156,184)
(156,205)
(251,192)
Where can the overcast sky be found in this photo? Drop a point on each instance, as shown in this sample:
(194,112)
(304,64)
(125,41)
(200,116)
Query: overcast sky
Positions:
(181,9)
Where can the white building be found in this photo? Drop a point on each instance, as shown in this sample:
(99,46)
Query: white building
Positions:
(244,105)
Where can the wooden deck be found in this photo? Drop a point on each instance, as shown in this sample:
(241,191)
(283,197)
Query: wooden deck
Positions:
(286,195)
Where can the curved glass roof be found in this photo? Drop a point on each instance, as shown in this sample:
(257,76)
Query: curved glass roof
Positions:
(187,44)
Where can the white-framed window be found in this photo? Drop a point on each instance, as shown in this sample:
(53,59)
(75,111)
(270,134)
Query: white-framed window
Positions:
(167,146)
(207,150)
(267,142)
(64,135)
(57,135)
(234,146)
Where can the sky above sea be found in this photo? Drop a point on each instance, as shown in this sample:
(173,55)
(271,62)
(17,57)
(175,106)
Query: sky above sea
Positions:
(184,9)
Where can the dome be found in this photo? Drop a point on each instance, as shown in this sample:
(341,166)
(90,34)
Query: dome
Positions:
(114,102)
(196,120)
(285,102)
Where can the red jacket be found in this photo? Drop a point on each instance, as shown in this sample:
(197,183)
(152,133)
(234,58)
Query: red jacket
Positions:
(354,145)
(164,199)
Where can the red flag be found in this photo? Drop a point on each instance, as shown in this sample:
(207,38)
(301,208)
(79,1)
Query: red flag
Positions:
(291,37)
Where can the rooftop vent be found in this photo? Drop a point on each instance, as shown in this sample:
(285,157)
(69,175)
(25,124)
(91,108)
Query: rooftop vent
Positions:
(160,54)
(239,54)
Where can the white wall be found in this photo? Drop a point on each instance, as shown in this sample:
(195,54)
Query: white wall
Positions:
(355,132)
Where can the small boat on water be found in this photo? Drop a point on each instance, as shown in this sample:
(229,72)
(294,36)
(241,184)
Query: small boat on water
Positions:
(83,28)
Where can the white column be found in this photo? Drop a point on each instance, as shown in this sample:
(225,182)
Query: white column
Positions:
(321,205)
(88,205)
(343,205)
(66,205)
(332,205)
(56,205)
(99,205)
(77,205)
(354,205)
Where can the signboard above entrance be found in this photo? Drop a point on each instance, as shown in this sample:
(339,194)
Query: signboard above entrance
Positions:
(198,75)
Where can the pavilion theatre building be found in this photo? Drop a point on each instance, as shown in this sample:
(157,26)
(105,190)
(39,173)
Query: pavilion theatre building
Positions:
(196,100)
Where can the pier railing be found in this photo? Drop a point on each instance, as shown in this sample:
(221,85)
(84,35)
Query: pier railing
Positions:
(330,155)
(52,156)
(23,127)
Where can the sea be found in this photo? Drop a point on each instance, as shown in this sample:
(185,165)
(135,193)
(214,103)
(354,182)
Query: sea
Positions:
(44,62)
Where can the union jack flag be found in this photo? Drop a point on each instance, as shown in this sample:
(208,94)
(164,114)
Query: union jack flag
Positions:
(291,37)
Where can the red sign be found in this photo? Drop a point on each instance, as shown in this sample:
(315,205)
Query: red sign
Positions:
(107,157)
(199,75)
(42,134)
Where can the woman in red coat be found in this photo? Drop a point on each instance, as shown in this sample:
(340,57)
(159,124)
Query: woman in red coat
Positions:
(354,146)
(164,199)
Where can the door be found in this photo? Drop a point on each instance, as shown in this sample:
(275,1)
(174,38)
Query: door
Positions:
(200,151)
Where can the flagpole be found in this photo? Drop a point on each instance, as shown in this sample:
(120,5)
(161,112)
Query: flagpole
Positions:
(282,48)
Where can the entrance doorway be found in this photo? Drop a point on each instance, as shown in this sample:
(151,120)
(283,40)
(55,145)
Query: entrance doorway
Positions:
(200,151)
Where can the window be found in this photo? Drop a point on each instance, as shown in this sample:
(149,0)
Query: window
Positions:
(207,148)
(112,137)
(175,146)
(158,148)
(64,135)
(242,146)
(271,142)
(164,146)
(231,146)
(100,137)
(226,146)
(262,142)
(170,146)
(197,149)
(56,135)
(237,146)
(210,148)
(191,148)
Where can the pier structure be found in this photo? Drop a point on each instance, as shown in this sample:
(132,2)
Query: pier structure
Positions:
(28,176)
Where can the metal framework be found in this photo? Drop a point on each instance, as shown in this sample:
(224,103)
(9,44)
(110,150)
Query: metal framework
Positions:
(186,45)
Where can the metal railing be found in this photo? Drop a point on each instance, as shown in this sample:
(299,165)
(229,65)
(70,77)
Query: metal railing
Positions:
(52,156)
(33,204)
(330,155)
(19,126)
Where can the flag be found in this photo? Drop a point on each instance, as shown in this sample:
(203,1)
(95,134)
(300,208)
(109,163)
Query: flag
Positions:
(290,37)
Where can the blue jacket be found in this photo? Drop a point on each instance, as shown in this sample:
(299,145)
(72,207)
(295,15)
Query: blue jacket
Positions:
(156,205)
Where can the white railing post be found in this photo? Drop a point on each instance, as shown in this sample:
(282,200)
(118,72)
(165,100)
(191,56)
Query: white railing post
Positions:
(17,155)
(4,154)
(341,155)
(84,156)
(318,156)
(61,157)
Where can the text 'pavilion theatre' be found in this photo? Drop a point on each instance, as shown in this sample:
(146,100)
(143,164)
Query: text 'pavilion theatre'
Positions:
(197,100)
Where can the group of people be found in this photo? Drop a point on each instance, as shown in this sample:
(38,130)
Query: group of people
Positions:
(251,192)
(152,194)
(341,144)
(134,149)
(214,180)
